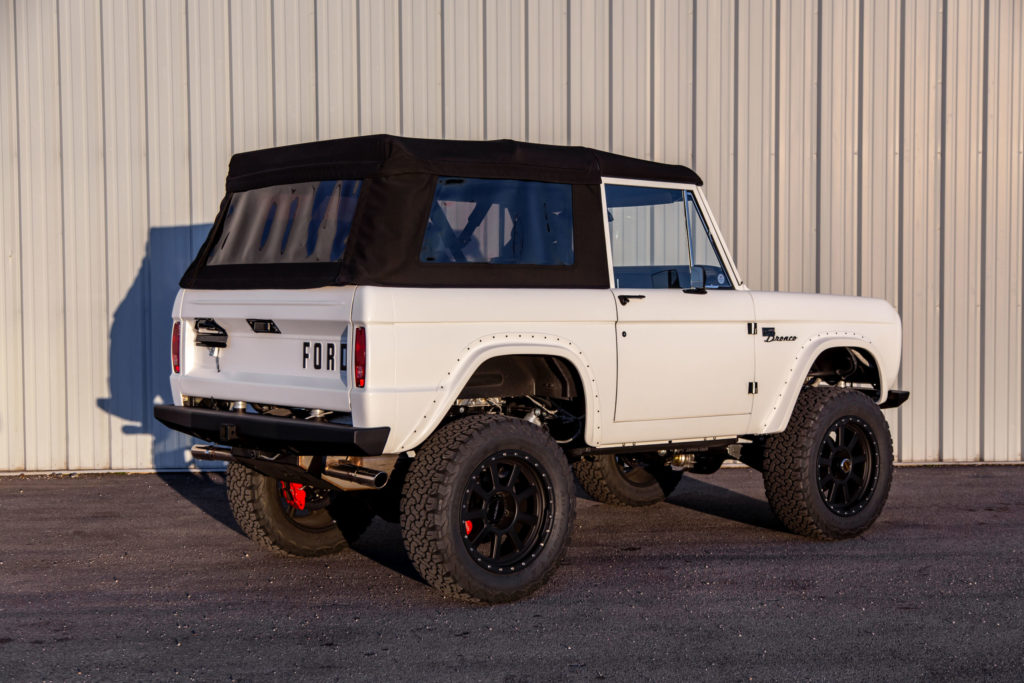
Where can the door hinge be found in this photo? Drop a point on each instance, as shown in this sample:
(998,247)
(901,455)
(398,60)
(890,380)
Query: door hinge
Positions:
(751,328)
(751,387)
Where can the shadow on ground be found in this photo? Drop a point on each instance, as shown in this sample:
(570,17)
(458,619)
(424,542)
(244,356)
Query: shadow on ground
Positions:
(700,496)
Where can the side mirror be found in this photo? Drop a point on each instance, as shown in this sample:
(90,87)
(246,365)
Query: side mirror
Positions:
(697,281)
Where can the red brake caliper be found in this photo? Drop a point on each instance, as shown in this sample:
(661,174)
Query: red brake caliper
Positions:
(294,494)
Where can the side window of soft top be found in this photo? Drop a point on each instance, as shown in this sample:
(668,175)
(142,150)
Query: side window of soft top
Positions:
(479,220)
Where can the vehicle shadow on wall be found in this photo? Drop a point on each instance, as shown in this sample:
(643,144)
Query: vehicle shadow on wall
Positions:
(139,369)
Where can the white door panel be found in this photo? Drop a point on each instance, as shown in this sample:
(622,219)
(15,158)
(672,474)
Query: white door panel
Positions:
(684,355)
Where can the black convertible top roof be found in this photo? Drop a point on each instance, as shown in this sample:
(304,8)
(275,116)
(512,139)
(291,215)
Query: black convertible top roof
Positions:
(389,155)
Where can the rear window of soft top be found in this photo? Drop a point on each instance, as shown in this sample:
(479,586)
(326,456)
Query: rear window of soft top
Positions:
(295,223)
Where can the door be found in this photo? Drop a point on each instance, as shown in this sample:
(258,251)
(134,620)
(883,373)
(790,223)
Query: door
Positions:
(684,346)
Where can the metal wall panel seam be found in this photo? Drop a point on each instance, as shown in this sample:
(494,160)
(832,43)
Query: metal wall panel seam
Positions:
(12,409)
(983,227)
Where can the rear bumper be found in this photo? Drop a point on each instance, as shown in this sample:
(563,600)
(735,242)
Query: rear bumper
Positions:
(273,433)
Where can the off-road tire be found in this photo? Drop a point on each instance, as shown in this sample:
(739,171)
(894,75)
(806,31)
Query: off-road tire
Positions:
(446,486)
(800,470)
(604,479)
(256,503)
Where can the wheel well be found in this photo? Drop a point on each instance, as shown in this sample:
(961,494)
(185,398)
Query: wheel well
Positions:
(523,375)
(542,389)
(846,366)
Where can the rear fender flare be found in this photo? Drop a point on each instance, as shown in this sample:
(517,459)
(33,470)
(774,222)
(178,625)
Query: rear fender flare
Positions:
(476,353)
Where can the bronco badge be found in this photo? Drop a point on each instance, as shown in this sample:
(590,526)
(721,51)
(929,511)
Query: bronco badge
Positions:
(770,336)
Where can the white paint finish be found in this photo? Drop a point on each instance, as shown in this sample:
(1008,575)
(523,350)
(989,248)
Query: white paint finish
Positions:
(422,88)
(126,176)
(684,356)
(464,82)
(459,330)
(266,368)
(252,74)
(42,235)
(85,296)
(380,76)
(12,415)
(337,67)
(294,74)
(797,147)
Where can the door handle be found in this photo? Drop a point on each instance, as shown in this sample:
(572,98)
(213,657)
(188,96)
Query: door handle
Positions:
(624,298)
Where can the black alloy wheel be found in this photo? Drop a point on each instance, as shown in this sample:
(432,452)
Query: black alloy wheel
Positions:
(487,508)
(848,466)
(828,474)
(507,511)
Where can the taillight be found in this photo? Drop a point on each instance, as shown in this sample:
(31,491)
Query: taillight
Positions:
(176,347)
(359,358)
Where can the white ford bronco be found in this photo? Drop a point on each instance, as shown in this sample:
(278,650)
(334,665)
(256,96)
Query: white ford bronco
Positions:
(441,333)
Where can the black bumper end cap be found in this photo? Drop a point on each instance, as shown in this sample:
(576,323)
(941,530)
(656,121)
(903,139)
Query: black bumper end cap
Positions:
(895,399)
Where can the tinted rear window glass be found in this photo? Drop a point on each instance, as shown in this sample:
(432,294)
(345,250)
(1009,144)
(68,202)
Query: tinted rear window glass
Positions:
(300,223)
(475,220)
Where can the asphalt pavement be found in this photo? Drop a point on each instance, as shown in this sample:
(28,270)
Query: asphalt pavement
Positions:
(146,577)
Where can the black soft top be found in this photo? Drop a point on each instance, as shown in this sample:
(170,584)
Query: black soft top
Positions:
(389,155)
(398,178)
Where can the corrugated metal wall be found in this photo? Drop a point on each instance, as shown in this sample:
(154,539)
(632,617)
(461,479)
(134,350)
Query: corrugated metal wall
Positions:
(864,147)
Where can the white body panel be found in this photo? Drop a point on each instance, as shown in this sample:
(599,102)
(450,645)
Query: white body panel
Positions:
(670,366)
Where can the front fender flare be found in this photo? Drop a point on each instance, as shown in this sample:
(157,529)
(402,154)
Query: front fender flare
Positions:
(777,416)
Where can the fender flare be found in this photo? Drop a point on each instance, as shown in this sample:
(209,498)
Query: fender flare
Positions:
(777,417)
(477,352)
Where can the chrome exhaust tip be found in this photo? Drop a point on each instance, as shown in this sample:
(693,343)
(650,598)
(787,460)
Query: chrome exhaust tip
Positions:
(357,475)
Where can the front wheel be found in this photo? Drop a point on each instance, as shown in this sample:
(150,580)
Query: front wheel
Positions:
(828,475)
(487,508)
(292,519)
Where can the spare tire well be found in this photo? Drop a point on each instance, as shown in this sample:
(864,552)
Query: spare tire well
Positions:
(846,366)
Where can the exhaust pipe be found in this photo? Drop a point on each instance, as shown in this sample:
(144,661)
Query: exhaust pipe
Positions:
(359,475)
(208,452)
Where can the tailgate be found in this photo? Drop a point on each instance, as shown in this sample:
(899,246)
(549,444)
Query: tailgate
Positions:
(277,347)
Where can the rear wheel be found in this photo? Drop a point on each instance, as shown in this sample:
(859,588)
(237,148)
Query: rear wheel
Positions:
(487,508)
(627,480)
(828,475)
(292,519)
